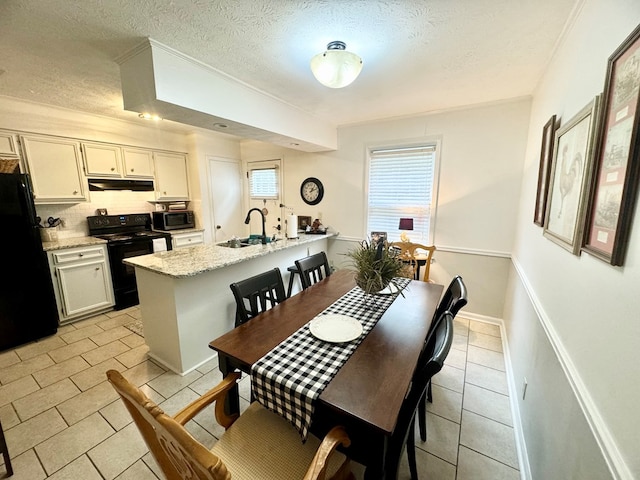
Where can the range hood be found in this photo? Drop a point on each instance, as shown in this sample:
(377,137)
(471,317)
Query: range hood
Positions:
(102,184)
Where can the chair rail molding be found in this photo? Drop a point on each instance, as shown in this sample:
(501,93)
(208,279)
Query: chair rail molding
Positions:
(616,463)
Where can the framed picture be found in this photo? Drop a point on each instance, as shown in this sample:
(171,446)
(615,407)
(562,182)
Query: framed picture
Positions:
(544,170)
(303,222)
(569,181)
(377,237)
(613,191)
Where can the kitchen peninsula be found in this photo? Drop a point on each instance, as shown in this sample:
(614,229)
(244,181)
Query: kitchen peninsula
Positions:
(185,299)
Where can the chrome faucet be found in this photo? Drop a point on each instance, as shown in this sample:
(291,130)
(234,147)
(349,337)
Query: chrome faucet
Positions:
(264,221)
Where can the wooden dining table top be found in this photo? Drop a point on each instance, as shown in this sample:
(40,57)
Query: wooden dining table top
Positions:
(372,384)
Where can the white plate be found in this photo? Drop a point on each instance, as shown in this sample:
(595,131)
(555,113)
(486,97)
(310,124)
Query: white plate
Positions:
(335,328)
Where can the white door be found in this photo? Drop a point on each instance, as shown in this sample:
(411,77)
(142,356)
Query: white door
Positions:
(225,185)
(271,205)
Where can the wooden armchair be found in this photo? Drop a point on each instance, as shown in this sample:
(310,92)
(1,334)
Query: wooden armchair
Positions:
(256,444)
(414,254)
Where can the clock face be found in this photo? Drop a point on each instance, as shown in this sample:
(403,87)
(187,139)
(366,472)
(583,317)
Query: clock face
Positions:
(312,191)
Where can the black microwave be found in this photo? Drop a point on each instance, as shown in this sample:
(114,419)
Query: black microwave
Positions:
(175,220)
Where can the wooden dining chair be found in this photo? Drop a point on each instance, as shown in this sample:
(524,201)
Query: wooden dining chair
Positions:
(257,294)
(311,269)
(437,346)
(414,254)
(454,298)
(257,444)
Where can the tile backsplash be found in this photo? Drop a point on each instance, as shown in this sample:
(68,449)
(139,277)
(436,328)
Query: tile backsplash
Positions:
(74,216)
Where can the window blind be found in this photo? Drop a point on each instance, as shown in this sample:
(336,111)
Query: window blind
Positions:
(401,186)
(263,183)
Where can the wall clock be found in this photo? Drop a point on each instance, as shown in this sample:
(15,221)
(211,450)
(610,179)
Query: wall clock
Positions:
(311,191)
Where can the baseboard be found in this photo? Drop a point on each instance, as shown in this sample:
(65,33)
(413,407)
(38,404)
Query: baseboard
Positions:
(521,445)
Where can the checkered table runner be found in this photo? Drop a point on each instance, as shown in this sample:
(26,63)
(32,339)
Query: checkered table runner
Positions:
(290,378)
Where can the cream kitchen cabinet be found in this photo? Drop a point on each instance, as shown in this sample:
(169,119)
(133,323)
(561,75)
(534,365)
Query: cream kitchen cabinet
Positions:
(82,281)
(171,176)
(55,165)
(137,163)
(102,159)
(8,145)
(113,161)
(186,239)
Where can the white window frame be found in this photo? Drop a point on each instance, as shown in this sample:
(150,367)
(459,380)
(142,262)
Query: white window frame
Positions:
(394,234)
(264,165)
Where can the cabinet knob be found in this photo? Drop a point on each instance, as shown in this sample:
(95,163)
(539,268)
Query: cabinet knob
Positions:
(113,169)
(97,269)
(132,170)
(75,192)
(218,227)
(81,254)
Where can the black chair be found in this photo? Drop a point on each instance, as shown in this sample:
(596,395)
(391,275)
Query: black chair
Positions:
(4,450)
(437,346)
(454,298)
(310,269)
(257,294)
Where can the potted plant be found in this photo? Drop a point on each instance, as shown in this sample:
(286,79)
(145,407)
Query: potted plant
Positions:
(376,267)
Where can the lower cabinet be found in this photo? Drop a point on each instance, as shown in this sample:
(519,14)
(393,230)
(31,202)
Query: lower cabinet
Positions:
(187,239)
(82,281)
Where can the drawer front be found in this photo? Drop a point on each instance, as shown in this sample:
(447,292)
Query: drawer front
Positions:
(68,256)
(188,239)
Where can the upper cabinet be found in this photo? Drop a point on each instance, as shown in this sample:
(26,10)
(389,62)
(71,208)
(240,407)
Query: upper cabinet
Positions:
(8,145)
(138,163)
(171,176)
(55,165)
(102,160)
(113,161)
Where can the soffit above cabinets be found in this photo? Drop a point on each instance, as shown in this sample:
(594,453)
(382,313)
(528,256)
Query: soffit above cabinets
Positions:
(159,80)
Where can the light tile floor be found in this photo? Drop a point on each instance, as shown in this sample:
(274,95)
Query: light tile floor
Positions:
(63,420)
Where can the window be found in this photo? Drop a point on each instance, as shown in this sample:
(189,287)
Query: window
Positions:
(263,183)
(401,185)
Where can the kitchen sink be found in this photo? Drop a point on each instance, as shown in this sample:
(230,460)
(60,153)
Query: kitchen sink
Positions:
(244,242)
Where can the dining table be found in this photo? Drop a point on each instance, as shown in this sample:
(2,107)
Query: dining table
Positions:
(365,394)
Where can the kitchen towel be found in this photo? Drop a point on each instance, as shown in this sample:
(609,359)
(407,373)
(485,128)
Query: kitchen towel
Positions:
(159,245)
(292,226)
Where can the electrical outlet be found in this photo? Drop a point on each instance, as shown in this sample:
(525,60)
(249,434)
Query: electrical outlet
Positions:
(524,388)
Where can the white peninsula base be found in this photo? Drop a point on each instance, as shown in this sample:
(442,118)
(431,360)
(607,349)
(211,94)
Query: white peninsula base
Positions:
(182,314)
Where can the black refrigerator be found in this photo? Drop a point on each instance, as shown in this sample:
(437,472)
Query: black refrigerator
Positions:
(27,303)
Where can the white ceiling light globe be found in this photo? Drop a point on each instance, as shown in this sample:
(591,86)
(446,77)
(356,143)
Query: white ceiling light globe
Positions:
(336,68)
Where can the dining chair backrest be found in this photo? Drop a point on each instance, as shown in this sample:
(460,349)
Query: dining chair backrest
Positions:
(311,269)
(257,294)
(437,346)
(256,441)
(454,298)
(412,253)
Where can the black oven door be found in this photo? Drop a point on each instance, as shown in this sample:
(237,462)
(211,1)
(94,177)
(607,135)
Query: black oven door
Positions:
(123,276)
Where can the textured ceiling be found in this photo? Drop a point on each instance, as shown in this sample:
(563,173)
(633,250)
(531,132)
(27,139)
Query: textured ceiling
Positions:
(419,55)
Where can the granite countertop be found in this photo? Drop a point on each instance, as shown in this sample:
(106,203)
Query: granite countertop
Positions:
(71,243)
(191,261)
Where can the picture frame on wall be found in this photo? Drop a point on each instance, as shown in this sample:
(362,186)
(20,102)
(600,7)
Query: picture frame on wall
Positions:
(617,160)
(544,170)
(571,167)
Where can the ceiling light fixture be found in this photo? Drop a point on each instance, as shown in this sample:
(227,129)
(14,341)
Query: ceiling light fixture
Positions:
(336,68)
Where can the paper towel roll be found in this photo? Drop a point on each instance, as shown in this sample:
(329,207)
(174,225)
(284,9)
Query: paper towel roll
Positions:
(159,245)
(292,226)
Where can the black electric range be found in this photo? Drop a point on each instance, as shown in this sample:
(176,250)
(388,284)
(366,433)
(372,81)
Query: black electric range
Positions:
(127,236)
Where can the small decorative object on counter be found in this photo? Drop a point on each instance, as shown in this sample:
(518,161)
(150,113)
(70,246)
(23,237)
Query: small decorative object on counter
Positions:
(316,228)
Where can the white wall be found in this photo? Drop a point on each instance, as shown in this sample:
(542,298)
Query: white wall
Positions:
(574,322)
(480,179)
